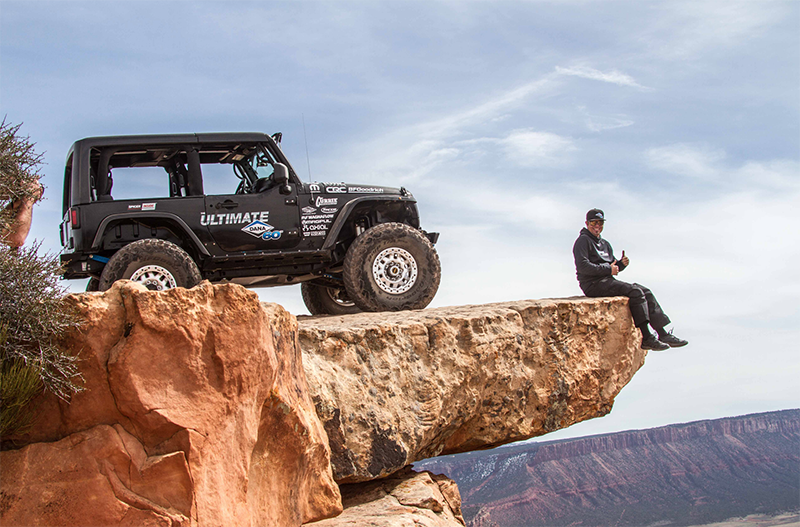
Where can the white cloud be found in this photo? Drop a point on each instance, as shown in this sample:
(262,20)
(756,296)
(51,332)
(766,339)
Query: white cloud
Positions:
(599,123)
(687,160)
(529,148)
(688,30)
(489,110)
(613,76)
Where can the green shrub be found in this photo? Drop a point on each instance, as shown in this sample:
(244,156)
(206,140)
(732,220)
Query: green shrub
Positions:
(33,311)
(19,384)
(19,170)
(33,314)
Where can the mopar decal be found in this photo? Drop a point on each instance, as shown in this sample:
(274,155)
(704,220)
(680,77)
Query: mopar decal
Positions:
(262,230)
(233,218)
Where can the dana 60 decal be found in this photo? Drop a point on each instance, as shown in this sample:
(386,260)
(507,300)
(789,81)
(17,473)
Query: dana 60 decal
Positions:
(262,230)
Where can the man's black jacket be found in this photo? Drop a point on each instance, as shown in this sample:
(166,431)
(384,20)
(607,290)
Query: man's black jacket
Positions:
(593,258)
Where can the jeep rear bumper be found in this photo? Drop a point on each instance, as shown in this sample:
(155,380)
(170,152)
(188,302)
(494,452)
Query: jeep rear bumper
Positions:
(81,265)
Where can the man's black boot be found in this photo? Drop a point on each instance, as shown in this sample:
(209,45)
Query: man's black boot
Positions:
(671,340)
(650,342)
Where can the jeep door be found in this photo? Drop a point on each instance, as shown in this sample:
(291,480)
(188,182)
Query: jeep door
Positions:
(249,221)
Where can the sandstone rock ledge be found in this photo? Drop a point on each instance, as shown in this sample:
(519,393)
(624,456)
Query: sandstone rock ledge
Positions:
(394,388)
(406,498)
(195,413)
(204,407)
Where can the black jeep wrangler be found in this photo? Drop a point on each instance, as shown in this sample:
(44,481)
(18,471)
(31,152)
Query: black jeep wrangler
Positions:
(171,210)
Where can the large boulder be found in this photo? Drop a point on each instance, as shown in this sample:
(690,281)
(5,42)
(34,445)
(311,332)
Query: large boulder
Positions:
(406,498)
(394,388)
(195,412)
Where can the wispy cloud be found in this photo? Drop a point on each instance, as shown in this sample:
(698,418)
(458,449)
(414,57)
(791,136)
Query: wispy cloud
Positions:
(688,30)
(613,76)
(530,148)
(686,160)
(492,109)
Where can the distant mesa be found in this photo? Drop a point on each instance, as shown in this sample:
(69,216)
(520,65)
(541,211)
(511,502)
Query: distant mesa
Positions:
(688,474)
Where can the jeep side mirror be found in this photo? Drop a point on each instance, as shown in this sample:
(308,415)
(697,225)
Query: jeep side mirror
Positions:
(281,178)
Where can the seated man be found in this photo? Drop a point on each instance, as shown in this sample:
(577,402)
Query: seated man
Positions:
(596,266)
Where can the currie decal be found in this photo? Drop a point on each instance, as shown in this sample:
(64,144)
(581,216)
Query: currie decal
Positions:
(233,218)
(262,230)
(326,201)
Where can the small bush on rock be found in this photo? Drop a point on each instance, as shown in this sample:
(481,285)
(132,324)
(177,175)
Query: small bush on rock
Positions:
(33,314)
(19,173)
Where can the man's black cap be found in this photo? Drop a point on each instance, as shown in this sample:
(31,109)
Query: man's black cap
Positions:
(595,214)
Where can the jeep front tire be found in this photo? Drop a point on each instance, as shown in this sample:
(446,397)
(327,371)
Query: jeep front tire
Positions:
(391,267)
(157,264)
(321,300)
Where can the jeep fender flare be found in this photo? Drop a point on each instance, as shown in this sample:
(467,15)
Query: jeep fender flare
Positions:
(345,212)
(101,229)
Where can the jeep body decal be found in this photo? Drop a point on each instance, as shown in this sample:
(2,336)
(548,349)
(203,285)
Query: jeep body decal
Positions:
(364,190)
(262,230)
(233,218)
(326,201)
(316,224)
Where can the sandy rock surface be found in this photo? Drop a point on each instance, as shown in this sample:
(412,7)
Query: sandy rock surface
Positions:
(394,388)
(407,498)
(202,387)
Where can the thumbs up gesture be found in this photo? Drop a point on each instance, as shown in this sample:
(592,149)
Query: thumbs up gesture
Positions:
(624,260)
(614,268)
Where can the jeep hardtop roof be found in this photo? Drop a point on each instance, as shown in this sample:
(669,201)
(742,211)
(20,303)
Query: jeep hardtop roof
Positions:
(169,139)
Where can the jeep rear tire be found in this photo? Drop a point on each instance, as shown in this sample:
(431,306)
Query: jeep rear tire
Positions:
(391,267)
(321,300)
(157,264)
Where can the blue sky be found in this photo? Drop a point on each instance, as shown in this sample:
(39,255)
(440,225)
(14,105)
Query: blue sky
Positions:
(507,120)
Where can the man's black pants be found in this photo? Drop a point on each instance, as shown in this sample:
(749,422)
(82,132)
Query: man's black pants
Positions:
(643,304)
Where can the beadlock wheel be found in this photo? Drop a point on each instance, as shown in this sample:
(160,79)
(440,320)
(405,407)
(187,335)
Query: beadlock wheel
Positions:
(154,278)
(156,264)
(395,270)
(391,267)
(339,297)
(321,300)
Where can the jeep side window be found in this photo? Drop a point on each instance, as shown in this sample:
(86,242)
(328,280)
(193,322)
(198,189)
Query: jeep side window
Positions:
(220,179)
(140,183)
(143,172)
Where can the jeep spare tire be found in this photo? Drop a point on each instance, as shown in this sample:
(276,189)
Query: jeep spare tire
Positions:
(157,264)
(321,300)
(391,267)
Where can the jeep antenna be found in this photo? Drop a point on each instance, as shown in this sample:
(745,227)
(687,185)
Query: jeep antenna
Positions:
(308,161)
